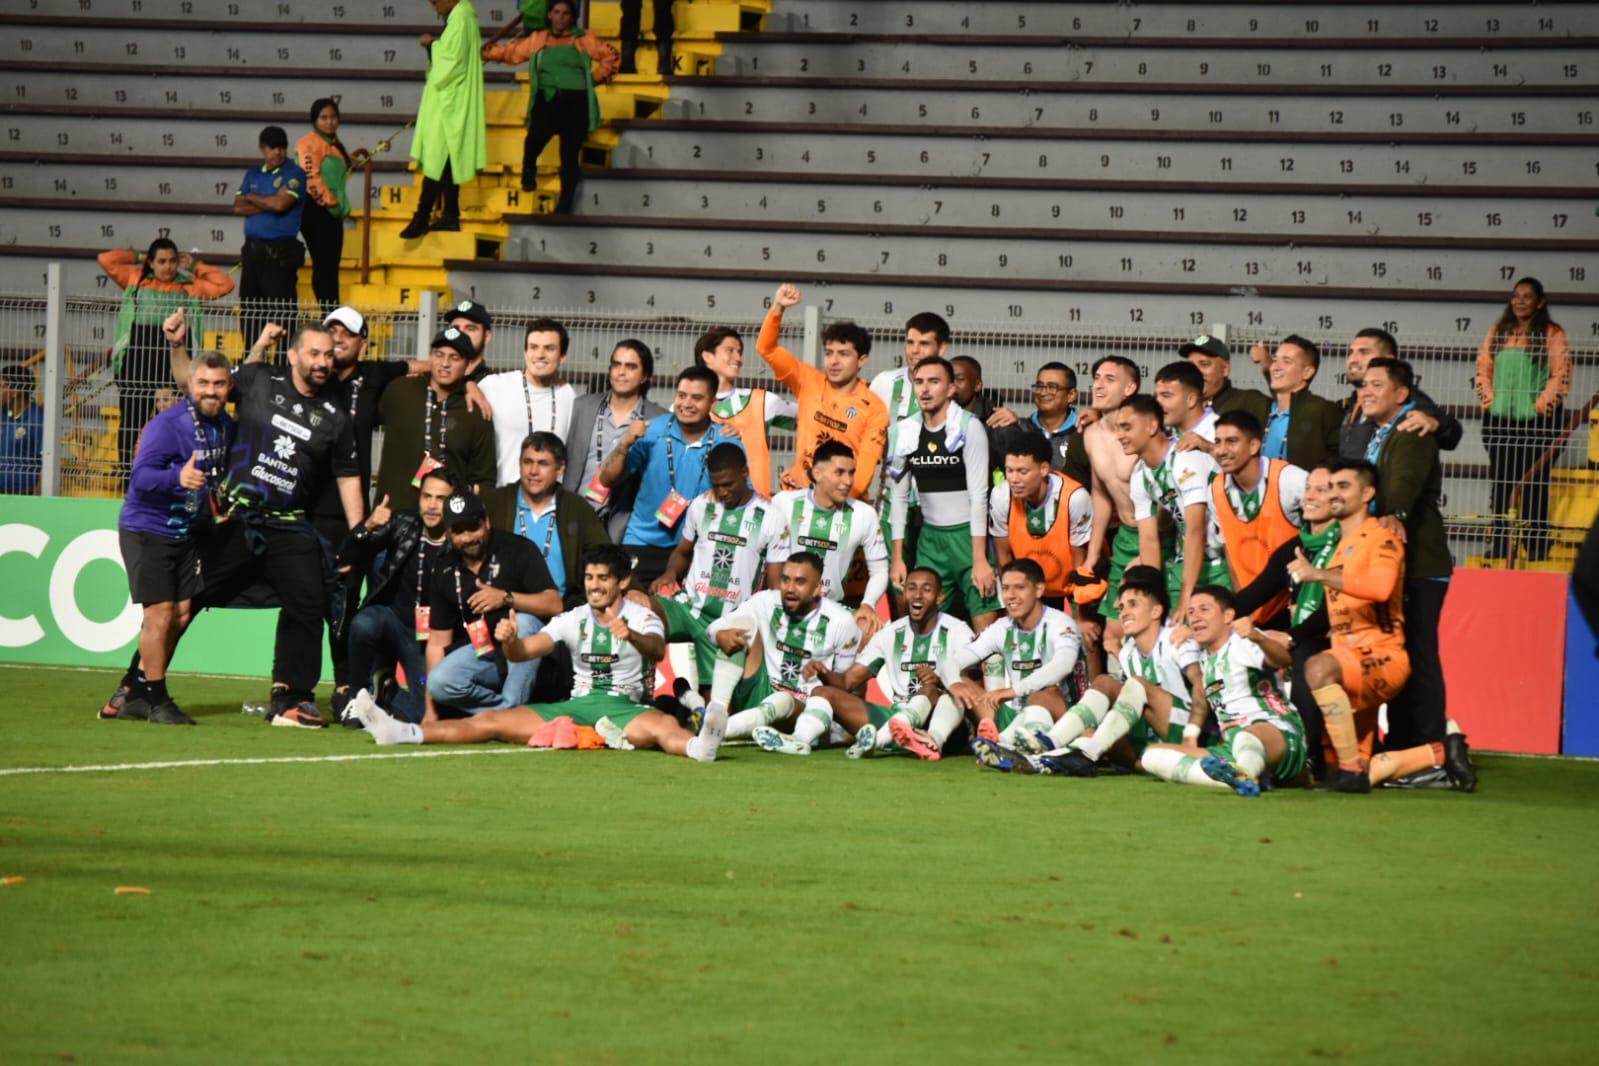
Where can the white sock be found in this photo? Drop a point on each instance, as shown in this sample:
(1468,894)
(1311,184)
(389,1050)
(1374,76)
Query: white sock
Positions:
(685,663)
(1034,719)
(703,748)
(1117,722)
(387,729)
(814,720)
(777,705)
(994,673)
(946,719)
(916,711)
(692,700)
(1177,766)
(725,676)
(1080,717)
(1249,753)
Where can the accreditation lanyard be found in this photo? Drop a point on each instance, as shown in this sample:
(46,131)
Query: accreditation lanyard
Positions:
(207,438)
(427,425)
(522,511)
(527,397)
(600,417)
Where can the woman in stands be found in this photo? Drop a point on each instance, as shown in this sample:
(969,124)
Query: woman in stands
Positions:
(567,62)
(1523,375)
(152,289)
(327,167)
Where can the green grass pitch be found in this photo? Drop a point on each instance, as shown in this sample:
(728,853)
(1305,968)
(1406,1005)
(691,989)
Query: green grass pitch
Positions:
(607,907)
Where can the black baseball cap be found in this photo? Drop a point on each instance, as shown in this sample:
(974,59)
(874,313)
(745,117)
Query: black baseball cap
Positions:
(463,509)
(450,337)
(472,311)
(1214,347)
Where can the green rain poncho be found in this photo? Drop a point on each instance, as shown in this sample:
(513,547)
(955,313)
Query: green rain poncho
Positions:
(450,125)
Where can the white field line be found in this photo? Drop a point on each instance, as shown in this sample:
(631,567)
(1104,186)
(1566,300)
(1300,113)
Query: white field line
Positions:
(119,671)
(119,767)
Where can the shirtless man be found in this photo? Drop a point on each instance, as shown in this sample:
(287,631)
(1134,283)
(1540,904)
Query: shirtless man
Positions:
(1115,378)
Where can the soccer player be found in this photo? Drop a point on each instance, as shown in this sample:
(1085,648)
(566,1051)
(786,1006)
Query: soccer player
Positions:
(1036,511)
(826,522)
(531,399)
(614,643)
(1180,391)
(1367,664)
(912,659)
(746,415)
(1178,484)
(176,472)
(802,633)
(717,563)
(1037,648)
(944,452)
(926,335)
(1114,379)
(1257,504)
(1162,699)
(1260,730)
(834,404)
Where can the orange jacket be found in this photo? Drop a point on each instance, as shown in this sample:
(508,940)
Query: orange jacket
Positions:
(606,61)
(309,151)
(126,267)
(1559,383)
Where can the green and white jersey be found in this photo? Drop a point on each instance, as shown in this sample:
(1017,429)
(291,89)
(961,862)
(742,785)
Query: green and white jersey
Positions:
(1163,666)
(1181,480)
(600,662)
(1243,689)
(798,525)
(894,388)
(897,650)
(1034,659)
(729,549)
(827,634)
(781,411)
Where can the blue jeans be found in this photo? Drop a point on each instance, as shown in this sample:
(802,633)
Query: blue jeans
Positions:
(380,639)
(468,683)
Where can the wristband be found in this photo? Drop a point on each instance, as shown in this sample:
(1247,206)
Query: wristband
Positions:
(1190,733)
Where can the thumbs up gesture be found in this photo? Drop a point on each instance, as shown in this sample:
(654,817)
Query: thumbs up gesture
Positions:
(191,476)
(176,327)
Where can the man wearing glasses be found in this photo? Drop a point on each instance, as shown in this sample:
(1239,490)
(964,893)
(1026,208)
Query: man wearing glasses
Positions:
(1055,417)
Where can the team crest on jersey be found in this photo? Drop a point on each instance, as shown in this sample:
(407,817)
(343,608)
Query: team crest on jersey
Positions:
(850,413)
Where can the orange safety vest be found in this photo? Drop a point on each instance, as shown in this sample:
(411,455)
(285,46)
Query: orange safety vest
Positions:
(1250,544)
(1053,550)
(751,425)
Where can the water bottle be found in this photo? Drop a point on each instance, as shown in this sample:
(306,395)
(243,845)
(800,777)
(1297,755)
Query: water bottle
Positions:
(254,708)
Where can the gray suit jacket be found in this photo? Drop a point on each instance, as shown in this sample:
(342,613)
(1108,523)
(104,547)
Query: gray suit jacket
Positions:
(579,445)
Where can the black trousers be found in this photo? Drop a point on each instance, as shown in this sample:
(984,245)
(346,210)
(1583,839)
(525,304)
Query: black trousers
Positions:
(632,30)
(432,190)
(268,285)
(343,594)
(324,240)
(565,115)
(291,561)
(1419,715)
(1513,445)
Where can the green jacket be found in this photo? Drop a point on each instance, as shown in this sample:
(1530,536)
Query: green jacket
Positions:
(467,445)
(576,523)
(1313,425)
(451,125)
(1232,398)
(1410,487)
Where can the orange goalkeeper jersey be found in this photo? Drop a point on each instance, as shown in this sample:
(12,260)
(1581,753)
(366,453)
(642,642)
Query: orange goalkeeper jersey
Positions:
(858,417)
(1371,608)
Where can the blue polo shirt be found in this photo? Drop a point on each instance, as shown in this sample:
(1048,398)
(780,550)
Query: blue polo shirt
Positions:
(21,444)
(648,458)
(546,537)
(264,182)
(1275,446)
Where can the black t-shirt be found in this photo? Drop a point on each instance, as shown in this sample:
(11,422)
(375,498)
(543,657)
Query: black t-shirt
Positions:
(511,564)
(358,394)
(285,442)
(416,578)
(935,467)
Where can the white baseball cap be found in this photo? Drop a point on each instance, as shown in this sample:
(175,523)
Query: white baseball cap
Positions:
(349,318)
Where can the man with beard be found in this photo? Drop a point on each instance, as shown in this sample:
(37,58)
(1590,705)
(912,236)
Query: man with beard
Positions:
(178,467)
(426,425)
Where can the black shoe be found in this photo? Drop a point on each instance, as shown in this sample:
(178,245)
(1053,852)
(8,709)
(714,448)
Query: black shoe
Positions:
(340,700)
(113,706)
(417,228)
(1457,763)
(168,713)
(385,685)
(279,701)
(303,715)
(134,709)
(447,224)
(1432,777)
(1341,780)
(1071,763)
